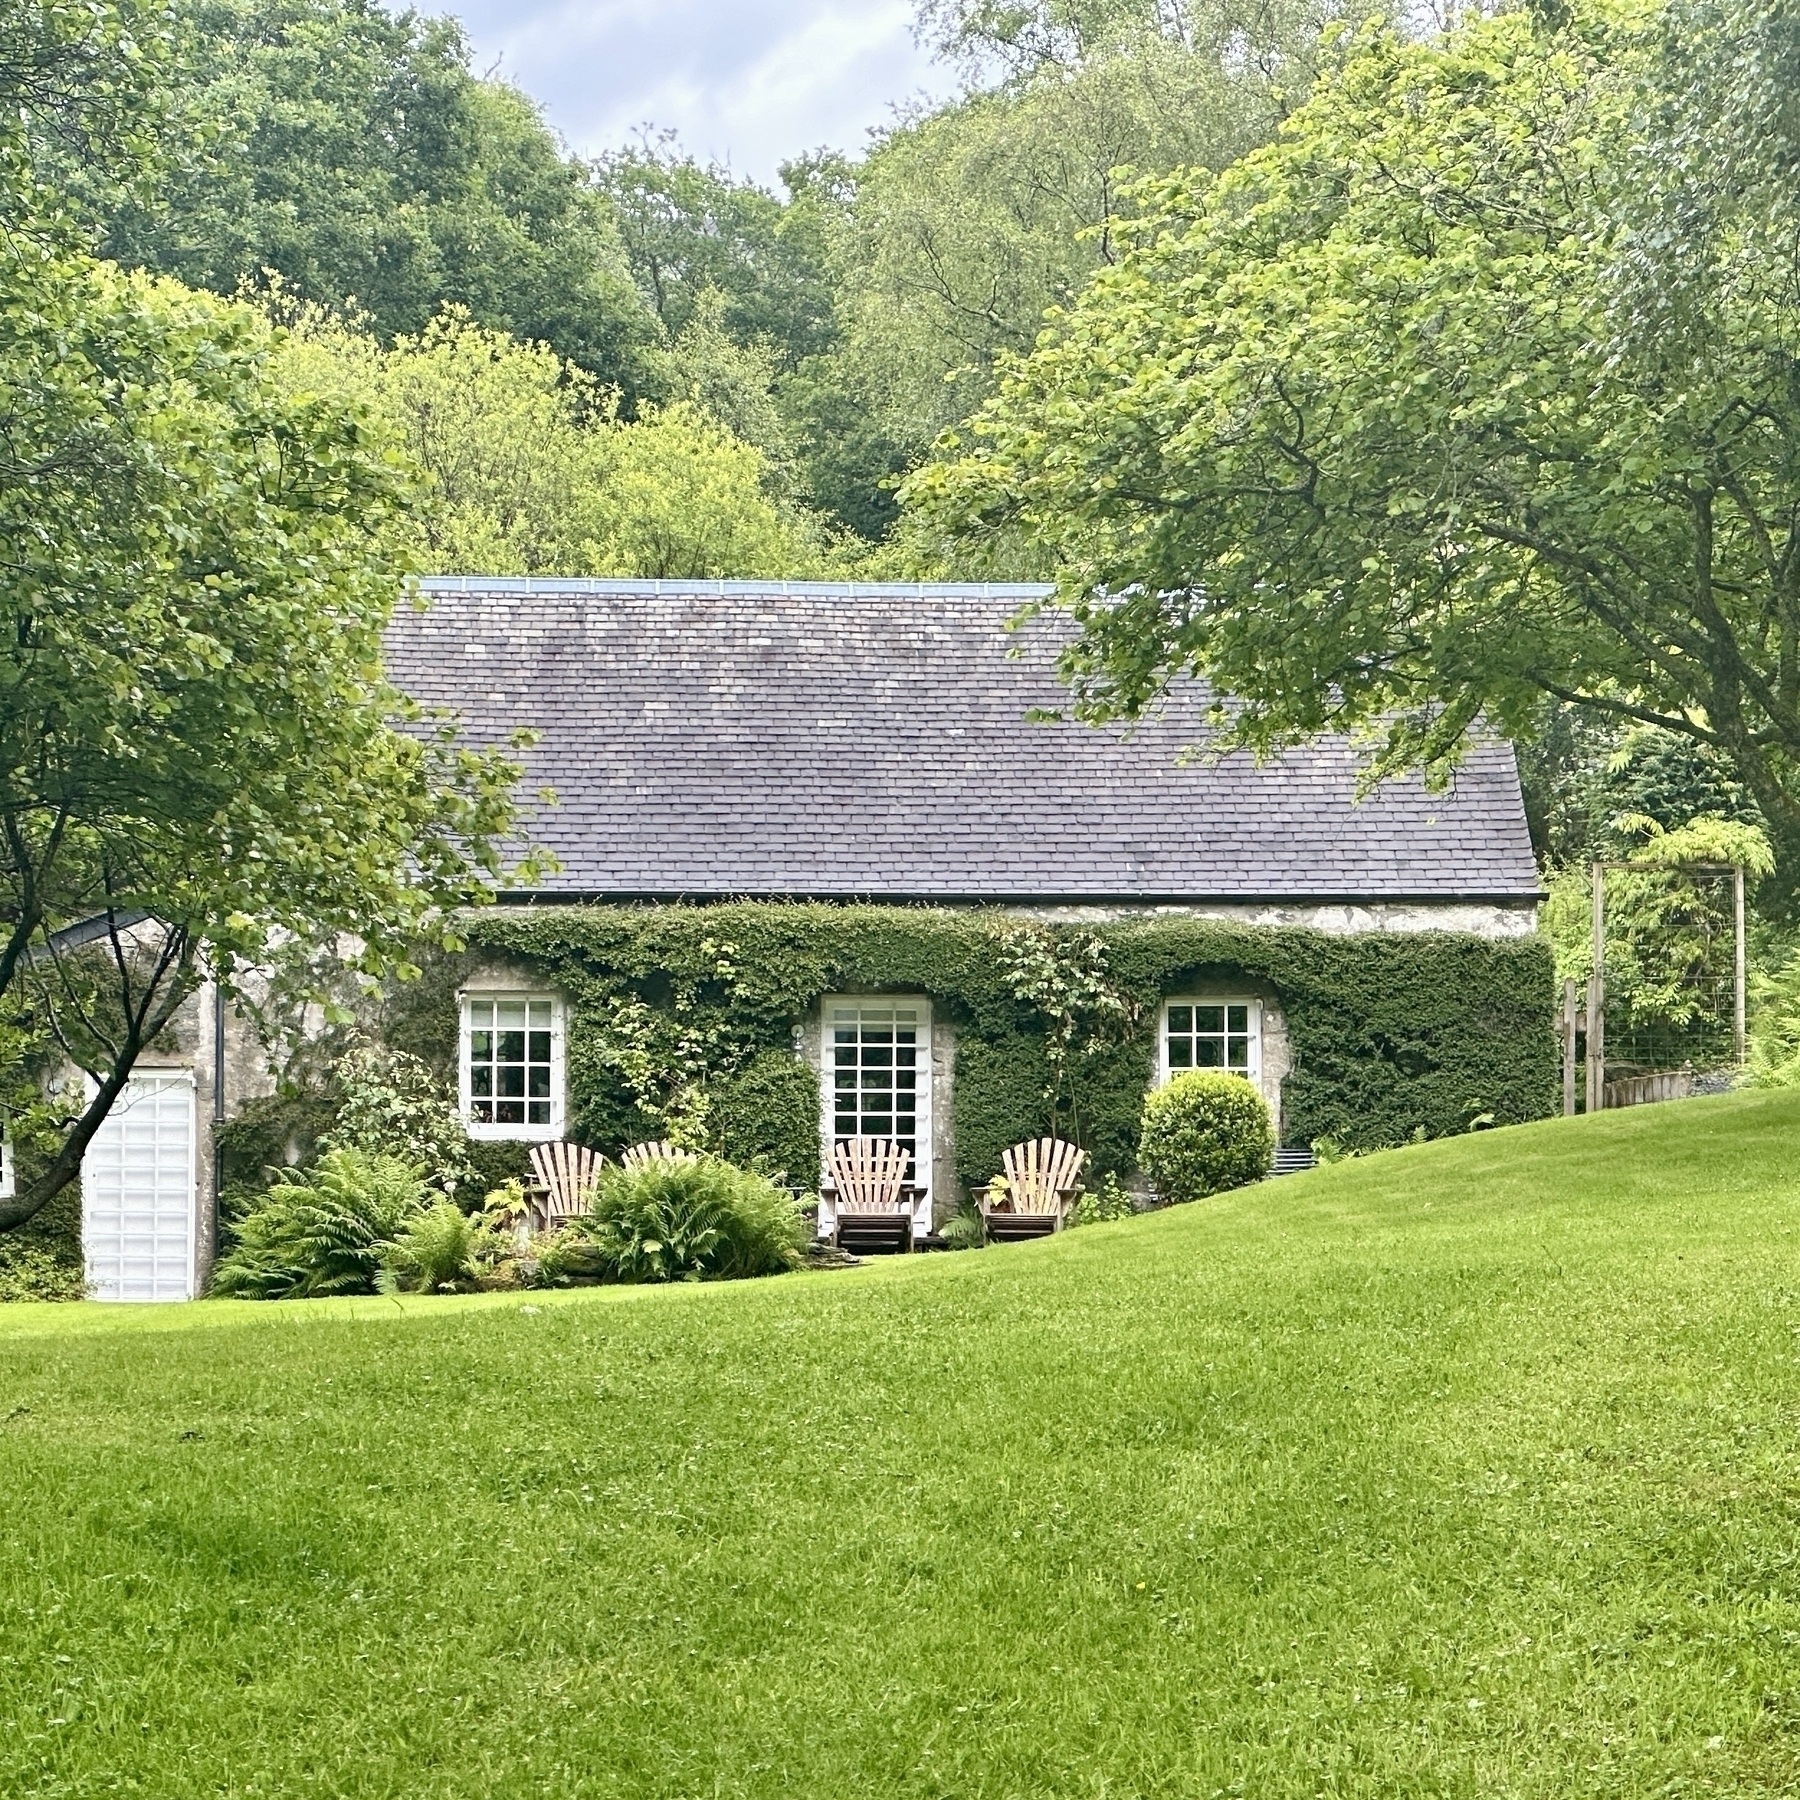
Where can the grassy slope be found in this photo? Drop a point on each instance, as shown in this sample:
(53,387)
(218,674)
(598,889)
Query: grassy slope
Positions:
(1470,1469)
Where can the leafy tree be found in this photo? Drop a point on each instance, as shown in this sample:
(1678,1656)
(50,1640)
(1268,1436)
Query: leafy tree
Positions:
(197,749)
(1276,38)
(82,84)
(1476,387)
(1581,776)
(196,743)
(352,152)
(691,229)
(533,471)
(971,222)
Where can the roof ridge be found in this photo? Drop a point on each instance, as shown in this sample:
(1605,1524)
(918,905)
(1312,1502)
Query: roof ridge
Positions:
(874,590)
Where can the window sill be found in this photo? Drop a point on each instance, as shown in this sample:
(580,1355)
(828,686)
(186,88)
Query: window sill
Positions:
(514,1134)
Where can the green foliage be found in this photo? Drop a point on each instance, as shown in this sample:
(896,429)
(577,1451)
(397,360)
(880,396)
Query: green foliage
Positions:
(969,223)
(492,1165)
(82,86)
(225,755)
(765,1117)
(37,1272)
(1389,1031)
(1102,1205)
(394,1105)
(274,1131)
(1062,976)
(965,1229)
(433,1250)
(1670,935)
(43,1260)
(1580,775)
(1436,406)
(1204,1133)
(1774,1049)
(353,154)
(694,233)
(533,471)
(1270,45)
(325,1232)
(697,1220)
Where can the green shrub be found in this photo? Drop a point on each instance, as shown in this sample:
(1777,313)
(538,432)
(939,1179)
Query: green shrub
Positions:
(42,1259)
(325,1232)
(38,1272)
(492,1164)
(1102,1205)
(394,1105)
(690,1221)
(1203,1133)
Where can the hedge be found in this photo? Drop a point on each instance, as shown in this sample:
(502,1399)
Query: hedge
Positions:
(1391,1033)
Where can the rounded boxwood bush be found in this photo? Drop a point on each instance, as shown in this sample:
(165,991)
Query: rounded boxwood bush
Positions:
(1204,1133)
(701,1220)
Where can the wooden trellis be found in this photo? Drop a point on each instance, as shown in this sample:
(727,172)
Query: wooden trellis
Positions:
(1596,987)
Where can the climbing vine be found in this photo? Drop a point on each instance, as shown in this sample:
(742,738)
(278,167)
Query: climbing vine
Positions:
(684,1020)
(1063,976)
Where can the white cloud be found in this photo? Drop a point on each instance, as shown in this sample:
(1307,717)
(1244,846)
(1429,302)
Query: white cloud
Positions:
(749,84)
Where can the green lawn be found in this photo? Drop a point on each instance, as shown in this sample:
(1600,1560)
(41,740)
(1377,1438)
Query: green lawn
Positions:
(1470,1469)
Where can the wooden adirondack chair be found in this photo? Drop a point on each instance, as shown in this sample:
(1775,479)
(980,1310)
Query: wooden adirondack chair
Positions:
(871,1200)
(640,1156)
(566,1176)
(1041,1178)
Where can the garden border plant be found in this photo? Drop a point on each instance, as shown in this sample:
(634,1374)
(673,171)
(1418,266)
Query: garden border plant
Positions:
(683,1020)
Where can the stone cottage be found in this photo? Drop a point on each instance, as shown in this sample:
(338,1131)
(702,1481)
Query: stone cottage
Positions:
(714,746)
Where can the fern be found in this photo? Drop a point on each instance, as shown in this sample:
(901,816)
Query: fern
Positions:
(435,1250)
(326,1232)
(690,1221)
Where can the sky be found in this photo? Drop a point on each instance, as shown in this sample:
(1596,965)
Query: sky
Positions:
(742,82)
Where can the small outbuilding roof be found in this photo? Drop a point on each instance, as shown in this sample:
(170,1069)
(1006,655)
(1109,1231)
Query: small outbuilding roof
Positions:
(710,739)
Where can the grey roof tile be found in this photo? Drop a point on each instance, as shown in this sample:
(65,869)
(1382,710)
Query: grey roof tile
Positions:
(838,740)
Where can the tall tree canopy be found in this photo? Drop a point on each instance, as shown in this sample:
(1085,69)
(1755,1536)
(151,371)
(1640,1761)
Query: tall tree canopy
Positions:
(1479,385)
(353,152)
(197,744)
(968,223)
(532,471)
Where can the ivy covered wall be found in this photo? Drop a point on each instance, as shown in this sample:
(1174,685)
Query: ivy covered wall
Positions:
(683,1020)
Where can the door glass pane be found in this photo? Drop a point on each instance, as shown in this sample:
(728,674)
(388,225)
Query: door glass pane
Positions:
(875,1053)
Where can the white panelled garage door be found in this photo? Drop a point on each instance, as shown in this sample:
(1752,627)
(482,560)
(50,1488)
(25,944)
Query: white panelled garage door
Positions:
(137,1192)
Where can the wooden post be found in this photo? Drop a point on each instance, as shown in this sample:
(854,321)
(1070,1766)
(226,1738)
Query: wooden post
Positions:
(1737,969)
(1568,1046)
(1596,1000)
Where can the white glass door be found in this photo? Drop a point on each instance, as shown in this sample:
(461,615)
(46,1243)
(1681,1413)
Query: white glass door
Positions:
(137,1192)
(876,1081)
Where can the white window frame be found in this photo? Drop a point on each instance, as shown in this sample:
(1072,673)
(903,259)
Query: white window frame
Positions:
(924,1130)
(481,1130)
(1253,1074)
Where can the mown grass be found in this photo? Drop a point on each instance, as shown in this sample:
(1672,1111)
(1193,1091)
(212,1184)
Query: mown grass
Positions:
(1466,1470)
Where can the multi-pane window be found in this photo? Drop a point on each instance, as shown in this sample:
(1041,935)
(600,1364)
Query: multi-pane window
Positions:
(1210,1034)
(877,1069)
(511,1065)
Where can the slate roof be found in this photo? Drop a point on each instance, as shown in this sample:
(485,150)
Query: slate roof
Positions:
(760,738)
